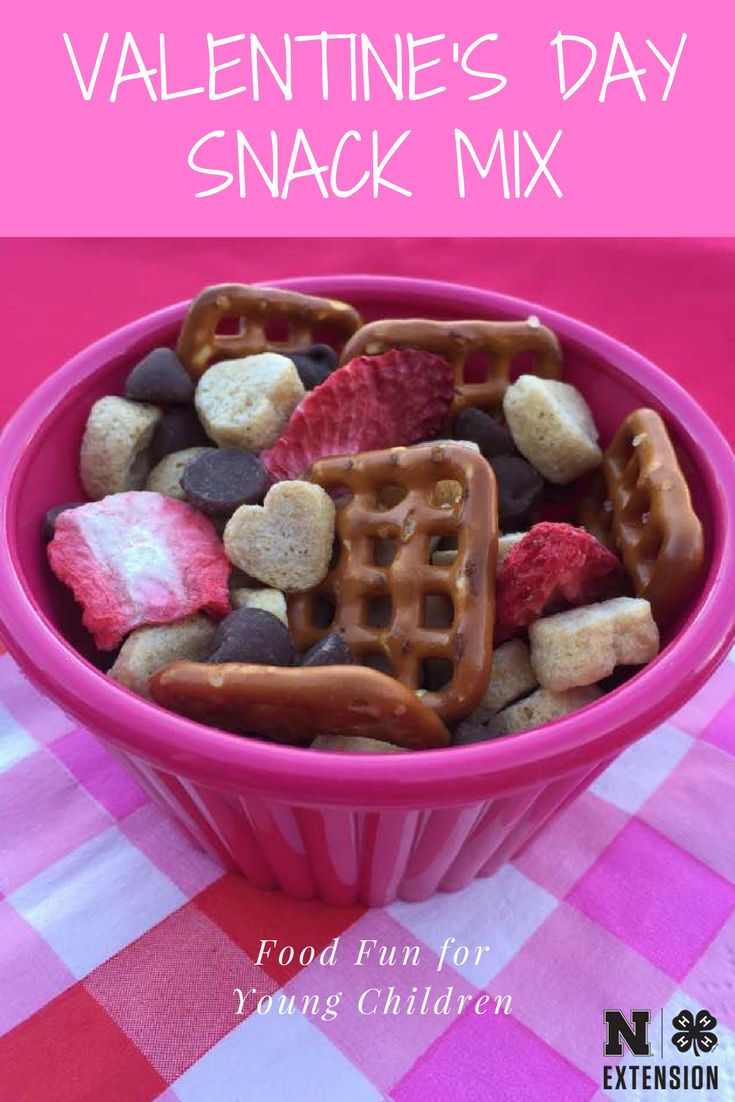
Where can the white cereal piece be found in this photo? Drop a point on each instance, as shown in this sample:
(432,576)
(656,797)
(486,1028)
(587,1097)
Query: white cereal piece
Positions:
(446,558)
(443,558)
(114,455)
(355,744)
(505,543)
(165,478)
(553,427)
(540,707)
(286,542)
(147,649)
(511,678)
(246,403)
(269,600)
(585,645)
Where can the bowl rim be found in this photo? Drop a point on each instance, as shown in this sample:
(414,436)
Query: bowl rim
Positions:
(430,778)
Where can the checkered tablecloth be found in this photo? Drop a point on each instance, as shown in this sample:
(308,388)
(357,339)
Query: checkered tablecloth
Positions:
(121,945)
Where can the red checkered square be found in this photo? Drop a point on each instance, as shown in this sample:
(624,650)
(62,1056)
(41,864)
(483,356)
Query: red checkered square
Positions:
(72,1050)
(248,915)
(172,989)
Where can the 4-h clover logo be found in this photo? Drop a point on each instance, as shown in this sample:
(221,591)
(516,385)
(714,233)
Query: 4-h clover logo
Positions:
(696,1033)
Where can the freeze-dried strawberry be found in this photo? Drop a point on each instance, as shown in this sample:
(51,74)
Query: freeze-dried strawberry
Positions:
(554,566)
(139,558)
(373,402)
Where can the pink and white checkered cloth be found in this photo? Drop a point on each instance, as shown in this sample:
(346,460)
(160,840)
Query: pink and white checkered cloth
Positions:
(121,945)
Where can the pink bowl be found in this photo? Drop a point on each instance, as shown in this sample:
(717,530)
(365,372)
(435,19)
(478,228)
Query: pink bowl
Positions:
(343,827)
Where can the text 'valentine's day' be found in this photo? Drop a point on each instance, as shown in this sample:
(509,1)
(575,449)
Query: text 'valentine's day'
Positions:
(251,88)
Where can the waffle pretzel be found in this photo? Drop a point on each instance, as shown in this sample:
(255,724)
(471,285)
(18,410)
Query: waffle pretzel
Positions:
(294,705)
(459,342)
(643,509)
(365,580)
(200,345)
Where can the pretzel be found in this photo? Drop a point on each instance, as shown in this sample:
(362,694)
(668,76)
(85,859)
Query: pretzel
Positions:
(645,511)
(458,342)
(594,512)
(363,583)
(200,345)
(294,705)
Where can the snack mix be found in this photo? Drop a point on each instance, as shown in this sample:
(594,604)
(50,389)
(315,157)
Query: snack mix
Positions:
(290,490)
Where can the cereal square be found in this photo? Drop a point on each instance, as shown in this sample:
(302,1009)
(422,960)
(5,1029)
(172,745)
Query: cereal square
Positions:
(96,900)
(629,891)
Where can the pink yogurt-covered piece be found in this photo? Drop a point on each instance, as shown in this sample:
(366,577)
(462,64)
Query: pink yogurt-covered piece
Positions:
(139,558)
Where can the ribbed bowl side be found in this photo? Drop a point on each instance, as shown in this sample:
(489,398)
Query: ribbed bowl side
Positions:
(344,857)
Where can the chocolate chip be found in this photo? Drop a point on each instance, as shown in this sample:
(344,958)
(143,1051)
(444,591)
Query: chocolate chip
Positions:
(469,732)
(160,377)
(332,650)
(179,428)
(314,364)
(221,480)
(252,635)
(491,437)
(520,490)
(49,521)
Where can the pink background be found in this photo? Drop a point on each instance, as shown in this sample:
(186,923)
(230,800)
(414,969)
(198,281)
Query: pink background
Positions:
(669,299)
(625,167)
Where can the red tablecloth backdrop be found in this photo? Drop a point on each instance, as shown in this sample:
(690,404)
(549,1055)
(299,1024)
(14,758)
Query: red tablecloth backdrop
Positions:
(670,299)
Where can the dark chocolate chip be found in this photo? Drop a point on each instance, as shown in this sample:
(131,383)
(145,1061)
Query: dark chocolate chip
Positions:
(314,364)
(469,732)
(332,650)
(252,635)
(160,377)
(49,521)
(520,490)
(560,495)
(221,480)
(491,437)
(179,428)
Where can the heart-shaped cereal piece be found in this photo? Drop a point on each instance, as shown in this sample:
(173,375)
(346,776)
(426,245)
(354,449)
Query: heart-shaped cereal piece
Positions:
(287,541)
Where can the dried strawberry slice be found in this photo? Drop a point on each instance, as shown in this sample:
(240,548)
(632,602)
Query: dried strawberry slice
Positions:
(554,566)
(373,402)
(139,558)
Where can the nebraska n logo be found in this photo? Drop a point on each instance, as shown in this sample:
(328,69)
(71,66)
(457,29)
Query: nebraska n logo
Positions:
(633,1032)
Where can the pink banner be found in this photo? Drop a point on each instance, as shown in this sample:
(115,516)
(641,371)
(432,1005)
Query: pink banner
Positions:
(522,119)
